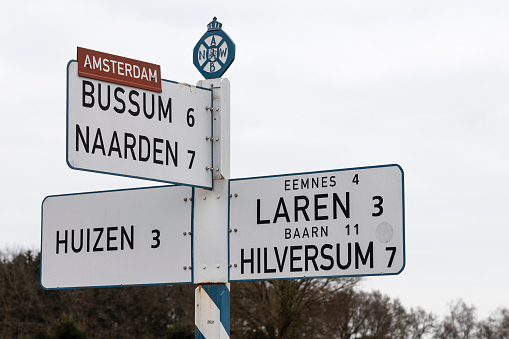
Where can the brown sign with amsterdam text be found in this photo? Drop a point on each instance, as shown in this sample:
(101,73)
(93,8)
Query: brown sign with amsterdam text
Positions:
(119,70)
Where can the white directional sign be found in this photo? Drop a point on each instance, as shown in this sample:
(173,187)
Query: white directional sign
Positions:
(322,224)
(113,238)
(122,130)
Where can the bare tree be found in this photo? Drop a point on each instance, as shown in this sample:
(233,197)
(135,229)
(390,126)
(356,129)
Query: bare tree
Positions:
(496,326)
(346,313)
(421,323)
(385,319)
(282,309)
(461,323)
(21,304)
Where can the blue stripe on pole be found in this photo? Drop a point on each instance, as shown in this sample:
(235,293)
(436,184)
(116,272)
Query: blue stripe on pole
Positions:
(197,333)
(220,295)
(213,292)
(225,308)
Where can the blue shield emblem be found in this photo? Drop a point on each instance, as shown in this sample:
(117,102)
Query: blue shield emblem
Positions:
(214,52)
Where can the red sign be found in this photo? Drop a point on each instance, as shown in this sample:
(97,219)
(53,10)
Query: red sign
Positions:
(119,70)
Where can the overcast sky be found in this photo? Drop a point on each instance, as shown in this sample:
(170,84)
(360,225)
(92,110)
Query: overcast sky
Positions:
(314,86)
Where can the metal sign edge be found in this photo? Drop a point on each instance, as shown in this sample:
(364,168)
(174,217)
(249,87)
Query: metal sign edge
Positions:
(321,171)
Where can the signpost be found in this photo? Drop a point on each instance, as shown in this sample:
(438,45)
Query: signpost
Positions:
(122,130)
(318,224)
(122,119)
(117,238)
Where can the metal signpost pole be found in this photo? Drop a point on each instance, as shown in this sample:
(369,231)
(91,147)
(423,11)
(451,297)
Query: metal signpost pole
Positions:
(210,257)
(212,56)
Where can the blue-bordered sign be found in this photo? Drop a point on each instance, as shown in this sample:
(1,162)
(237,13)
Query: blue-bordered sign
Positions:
(136,236)
(122,130)
(347,222)
(214,52)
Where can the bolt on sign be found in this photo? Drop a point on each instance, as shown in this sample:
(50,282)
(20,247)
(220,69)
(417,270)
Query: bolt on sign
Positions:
(122,119)
(319,224)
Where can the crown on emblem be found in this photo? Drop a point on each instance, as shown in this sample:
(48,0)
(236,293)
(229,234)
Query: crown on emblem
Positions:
(214,25)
